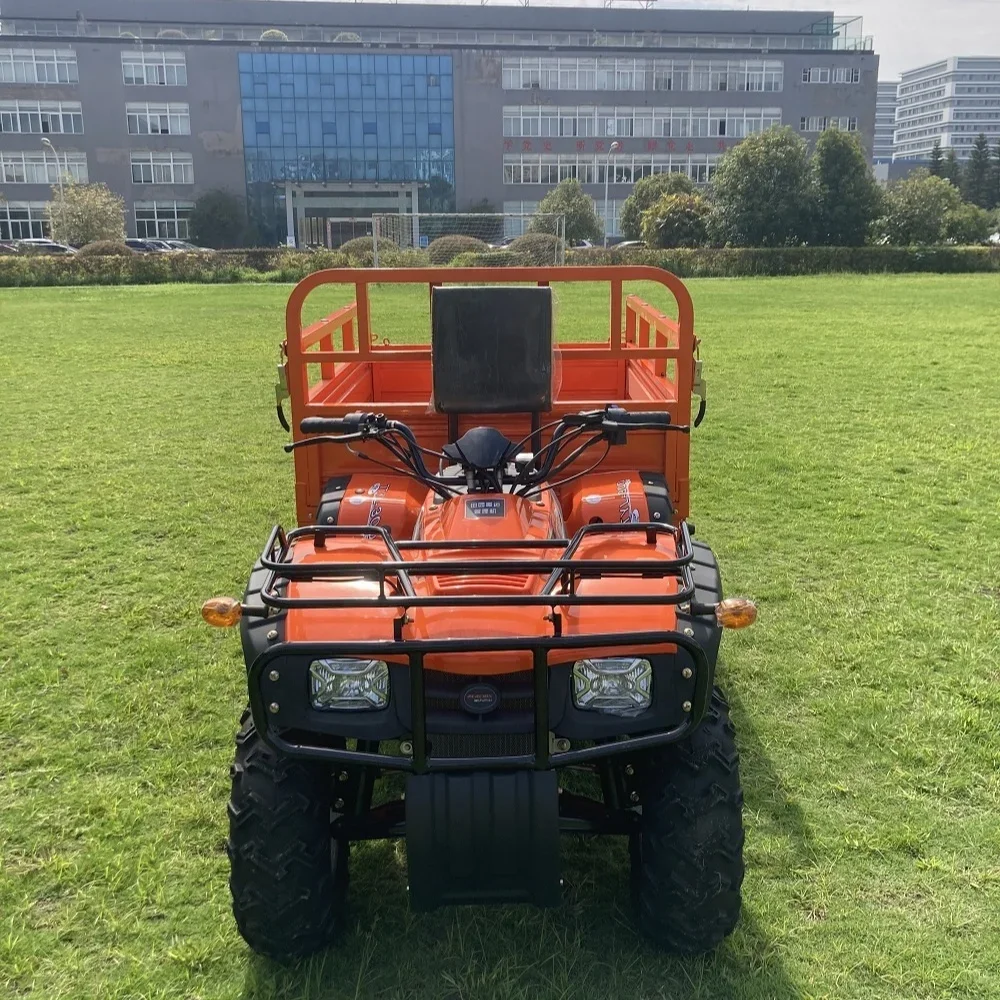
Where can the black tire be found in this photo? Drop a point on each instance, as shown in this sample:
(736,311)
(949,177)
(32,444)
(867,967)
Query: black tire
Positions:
(287,876)
(687,860)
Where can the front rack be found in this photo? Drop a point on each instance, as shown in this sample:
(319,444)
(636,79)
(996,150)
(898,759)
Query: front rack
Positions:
(420,761)
(560,589)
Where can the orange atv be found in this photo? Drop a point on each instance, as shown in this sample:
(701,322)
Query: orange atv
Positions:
(513,594)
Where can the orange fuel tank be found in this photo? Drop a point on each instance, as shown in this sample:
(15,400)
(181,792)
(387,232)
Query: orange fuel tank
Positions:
(391,502)
(605,498)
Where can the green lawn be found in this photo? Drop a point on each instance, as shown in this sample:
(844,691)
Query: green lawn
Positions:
(848,478)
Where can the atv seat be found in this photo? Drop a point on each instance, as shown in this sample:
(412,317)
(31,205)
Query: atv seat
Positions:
(491,349)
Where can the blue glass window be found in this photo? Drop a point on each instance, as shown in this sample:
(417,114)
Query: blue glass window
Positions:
(333,116)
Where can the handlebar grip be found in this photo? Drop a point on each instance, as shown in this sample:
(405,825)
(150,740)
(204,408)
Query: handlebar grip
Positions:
(347,424)
(650,417)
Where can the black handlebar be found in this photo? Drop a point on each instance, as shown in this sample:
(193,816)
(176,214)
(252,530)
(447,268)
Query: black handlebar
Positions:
(610,425)
(350,423)
(625,418)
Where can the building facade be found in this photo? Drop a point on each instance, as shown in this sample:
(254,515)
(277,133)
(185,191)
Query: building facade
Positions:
(949,102)
(329,110)
(885,122)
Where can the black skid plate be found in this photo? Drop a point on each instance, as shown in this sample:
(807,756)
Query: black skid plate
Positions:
(483,838)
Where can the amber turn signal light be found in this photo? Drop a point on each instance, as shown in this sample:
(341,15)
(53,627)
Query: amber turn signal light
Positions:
(736,612)
(222,612)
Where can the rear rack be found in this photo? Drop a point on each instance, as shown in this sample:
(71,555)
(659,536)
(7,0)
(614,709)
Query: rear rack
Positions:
(560,589)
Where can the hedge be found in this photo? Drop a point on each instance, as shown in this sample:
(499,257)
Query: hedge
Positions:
(281,265)
(786,261)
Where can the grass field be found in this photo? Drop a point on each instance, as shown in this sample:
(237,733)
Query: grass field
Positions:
(848,478)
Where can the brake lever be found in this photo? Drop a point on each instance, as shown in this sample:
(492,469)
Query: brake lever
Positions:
(616,433)
(324,439)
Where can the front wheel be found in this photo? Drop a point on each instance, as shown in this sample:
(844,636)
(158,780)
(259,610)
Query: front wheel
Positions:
(288,877)
(687,858)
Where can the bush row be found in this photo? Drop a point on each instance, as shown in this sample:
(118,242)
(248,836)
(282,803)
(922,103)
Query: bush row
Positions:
(742,262)
(288,265)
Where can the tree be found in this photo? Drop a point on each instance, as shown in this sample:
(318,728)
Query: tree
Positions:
(568,199)
(996,178)
(968,224)
(937,159)
(763,191)
(645,194)
(676,220)
(917,209)
(977,185)
(219,219)
(85,213)
(848,198)
(951,169)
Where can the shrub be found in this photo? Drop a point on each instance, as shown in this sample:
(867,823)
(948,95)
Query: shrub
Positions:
(273,35)
(848,198)
(357,246)
(969,224)
(445,248)
(645,194)
(763,192)
(412,257)
(106,248)
(492,258)
(537,248)
(171,33)
(83,213)
(219,219)
(24,270)
(916,209)
(676,220)
(569,199)
(738,262)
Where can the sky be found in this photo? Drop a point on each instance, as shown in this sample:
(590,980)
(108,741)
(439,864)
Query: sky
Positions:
(909,33)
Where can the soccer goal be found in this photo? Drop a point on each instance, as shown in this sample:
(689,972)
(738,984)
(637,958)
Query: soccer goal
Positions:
(539,238)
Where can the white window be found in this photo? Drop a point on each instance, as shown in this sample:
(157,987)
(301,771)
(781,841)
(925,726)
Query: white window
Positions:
(518,216)
(163,219)
(158,119)
(41,117)
(530,121)
(23,220)
(816,74)
(590,168)
(154,69)
(624,74)
(162,168)
(42,168)
(38,66)
(816,124)
(846,74)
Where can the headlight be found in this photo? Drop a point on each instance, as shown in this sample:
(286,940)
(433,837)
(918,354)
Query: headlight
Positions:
(348,685)
(615,685)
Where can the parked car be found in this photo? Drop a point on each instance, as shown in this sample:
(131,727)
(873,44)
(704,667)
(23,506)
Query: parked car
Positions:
(43,246)
(630,245)
(503,243)
(7,247)
(146,245)
(192,248)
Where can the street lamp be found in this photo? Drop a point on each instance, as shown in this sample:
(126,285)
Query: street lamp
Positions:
(612,149)
(48,142)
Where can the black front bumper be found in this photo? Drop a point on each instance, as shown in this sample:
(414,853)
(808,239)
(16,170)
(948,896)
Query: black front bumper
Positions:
(284,717)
